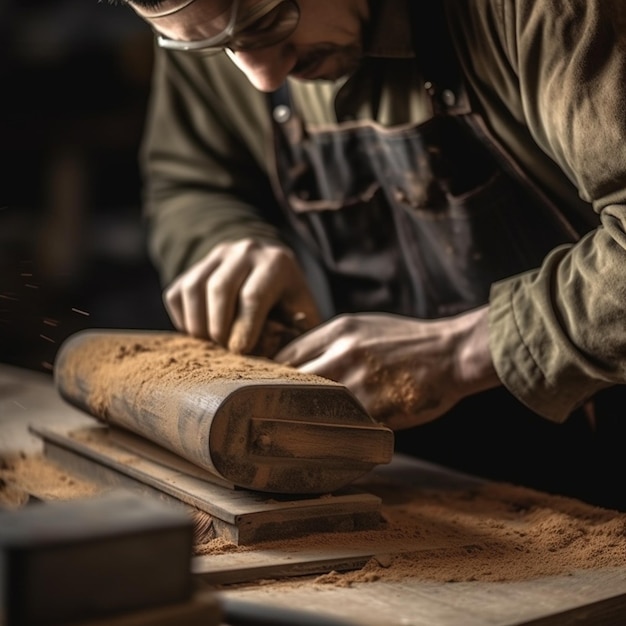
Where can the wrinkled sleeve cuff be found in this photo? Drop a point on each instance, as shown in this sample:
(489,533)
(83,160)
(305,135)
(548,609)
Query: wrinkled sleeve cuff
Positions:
(511,335)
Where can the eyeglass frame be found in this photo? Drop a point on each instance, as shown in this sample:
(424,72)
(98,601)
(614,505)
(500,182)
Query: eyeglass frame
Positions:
(218,43)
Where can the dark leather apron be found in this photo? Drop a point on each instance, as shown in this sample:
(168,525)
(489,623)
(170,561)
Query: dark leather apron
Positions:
(421,220)
(417,220)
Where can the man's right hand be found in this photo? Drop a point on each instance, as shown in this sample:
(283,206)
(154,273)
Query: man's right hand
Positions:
(227,296)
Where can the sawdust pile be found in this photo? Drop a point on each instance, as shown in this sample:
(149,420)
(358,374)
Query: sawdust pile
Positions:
(493,533)
(139,359)
(95,369)
(26,478)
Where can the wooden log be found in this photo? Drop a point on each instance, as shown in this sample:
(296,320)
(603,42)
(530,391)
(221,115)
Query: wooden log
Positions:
(248,420)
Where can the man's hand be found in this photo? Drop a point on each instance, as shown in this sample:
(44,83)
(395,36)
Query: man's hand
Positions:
(405,371)
(228,295)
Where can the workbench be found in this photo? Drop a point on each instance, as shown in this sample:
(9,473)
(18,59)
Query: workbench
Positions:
(589,596)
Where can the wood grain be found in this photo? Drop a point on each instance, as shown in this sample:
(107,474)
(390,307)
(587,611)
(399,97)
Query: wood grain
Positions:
(247,420)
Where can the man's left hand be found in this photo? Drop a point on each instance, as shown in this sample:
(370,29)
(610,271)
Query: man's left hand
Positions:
(405,371)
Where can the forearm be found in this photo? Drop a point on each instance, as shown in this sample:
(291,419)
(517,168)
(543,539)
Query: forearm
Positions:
(474,364)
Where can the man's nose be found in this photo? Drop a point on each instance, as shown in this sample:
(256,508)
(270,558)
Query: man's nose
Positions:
(265,68)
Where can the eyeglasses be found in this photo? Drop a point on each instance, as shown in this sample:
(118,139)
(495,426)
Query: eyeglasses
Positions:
(266,23)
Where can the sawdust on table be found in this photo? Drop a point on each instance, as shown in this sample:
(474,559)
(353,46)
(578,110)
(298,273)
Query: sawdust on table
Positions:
(25,477)
(493,532)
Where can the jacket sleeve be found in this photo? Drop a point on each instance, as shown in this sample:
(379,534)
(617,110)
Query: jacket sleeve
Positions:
(203,160)
(558,334)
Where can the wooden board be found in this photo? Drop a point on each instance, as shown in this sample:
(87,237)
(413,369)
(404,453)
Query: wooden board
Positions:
(586,598)
(337,554)
(240,516)
(250,421)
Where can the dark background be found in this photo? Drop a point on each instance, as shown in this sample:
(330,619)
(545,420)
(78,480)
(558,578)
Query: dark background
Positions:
(75,77)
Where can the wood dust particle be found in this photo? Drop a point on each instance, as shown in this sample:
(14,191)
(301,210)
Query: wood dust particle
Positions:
(214,546)
(24,477)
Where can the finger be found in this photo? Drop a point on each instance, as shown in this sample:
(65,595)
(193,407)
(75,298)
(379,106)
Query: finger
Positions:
(247,326)
(194,309)
(313,343)
(184,306)
(258,295)
(187,300)
(222,294)
(174,306)
(333,362)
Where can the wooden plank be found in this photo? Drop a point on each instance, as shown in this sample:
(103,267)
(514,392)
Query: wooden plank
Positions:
(335,555)
(240,516)
(151,451)
(584,598)
(28,397)
(197,399)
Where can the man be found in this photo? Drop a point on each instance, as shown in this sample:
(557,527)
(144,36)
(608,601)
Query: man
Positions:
(435,191)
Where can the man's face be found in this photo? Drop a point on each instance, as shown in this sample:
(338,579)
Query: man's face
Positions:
(326,42)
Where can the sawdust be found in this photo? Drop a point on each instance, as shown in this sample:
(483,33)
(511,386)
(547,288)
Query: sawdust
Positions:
(24,478)
(399,396)
(493,533)
(159,359)
(214,546)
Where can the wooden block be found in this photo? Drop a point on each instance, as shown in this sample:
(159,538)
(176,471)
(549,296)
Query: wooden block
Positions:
(93,557)
(249,421)
(240,516)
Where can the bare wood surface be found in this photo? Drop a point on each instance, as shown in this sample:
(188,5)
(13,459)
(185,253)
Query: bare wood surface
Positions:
(586,598)
(202,610)
(299,439)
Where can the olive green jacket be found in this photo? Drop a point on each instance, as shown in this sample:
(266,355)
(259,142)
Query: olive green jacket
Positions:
(550,78)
